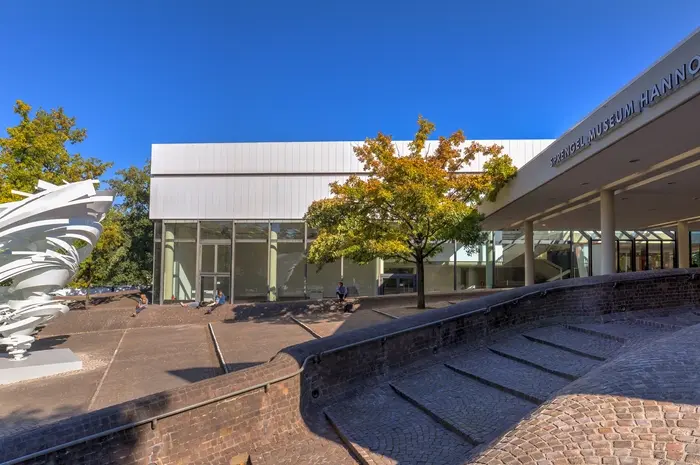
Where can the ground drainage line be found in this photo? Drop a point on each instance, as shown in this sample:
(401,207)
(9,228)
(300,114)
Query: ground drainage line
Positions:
(306,327)
(219,355)
(104,376)
(393,317)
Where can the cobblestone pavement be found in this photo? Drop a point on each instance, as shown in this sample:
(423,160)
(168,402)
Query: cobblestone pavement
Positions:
(511,376)
(620,331)
(642,408)
(385,429)
(683,319)
(322,447)
(549,358)
(577,342)
(475,409)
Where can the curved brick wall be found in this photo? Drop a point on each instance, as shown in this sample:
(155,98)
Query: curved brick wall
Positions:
(263,418)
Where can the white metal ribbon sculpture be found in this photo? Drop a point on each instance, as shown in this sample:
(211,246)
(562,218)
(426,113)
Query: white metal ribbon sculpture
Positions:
(37,253)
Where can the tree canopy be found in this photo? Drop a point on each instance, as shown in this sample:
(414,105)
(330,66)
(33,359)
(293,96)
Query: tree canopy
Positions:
(37,148)
(409,205)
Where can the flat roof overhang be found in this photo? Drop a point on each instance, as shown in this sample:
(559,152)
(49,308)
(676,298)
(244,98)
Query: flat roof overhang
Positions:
(650,159)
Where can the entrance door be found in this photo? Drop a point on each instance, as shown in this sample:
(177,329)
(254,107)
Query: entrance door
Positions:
(393,283)
(215,270)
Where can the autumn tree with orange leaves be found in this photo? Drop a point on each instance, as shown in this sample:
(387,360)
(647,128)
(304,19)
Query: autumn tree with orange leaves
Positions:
(409,205)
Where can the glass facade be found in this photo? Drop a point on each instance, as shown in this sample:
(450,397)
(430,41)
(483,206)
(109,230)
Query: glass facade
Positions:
(266,261)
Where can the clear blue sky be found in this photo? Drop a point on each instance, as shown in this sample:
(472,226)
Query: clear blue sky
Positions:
(152,71)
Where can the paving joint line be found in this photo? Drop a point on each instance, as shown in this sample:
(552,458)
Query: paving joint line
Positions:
(306,327)
(445,423)
(393,317)
(500,387)
(565,348)
(104,375)
(535,365)
(217,349)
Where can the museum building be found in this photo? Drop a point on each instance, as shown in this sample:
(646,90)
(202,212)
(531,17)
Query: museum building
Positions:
(616,193)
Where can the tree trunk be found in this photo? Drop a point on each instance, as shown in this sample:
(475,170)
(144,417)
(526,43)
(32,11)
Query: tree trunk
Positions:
(420,283)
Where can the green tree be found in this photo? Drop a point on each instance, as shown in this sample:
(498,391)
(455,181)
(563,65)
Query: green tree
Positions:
(132,188)
(99,267)
(37,149)
(410,204)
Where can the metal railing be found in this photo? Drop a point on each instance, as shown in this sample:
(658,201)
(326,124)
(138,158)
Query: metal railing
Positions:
(316,358)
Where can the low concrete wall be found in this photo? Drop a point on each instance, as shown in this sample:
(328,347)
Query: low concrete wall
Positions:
(214,432)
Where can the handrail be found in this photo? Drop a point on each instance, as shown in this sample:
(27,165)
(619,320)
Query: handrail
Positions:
(316,357)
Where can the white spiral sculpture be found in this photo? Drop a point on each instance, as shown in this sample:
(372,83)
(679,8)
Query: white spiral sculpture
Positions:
(38,256)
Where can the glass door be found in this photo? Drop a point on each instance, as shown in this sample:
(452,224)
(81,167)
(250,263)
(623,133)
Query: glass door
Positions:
(398,283)
(215,270)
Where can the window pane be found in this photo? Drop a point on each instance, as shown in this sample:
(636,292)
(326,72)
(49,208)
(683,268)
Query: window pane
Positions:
(360,279)
(509,269)
(158,229)
(625,256)
(288,230)
(207,258)
(181,231)
(223,260)
(179,263)
(311,233)
(669,252)
(641,255)
(251,231)
(580,260)
(287,270)
(322,283)
(654,255)
(250,279)
(215,230)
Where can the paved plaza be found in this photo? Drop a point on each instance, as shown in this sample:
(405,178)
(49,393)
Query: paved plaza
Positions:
(164,347)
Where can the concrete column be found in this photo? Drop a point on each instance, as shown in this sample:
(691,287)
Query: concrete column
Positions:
(272,267)
(608,253)
(683,240)
(489,260)
(168,262)
(378,271)
(529,254)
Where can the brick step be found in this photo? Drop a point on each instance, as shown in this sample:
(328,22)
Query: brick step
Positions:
(576,342)
(621,332)
(546,358)
(476,411)
(382,428)
(681,320)
(513,377)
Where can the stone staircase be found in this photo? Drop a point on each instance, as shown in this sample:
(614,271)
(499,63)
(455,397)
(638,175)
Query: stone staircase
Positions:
(447,412)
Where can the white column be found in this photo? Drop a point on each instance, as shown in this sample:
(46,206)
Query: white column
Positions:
(168,262)
(607,232)
(683,240)
(529,254)
(273,290)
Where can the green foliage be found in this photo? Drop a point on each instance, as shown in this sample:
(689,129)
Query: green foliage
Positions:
(97,268)
(132,188)
(124,253)
(36,149)
(411,204)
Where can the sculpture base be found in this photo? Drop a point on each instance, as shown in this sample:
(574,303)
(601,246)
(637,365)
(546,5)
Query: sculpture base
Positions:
(37,365)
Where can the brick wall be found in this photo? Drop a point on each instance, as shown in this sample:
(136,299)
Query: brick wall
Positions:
(214,433)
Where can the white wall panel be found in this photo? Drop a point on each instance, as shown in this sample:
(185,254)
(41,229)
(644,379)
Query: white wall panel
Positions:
(295,157)
(266,180)
(240,197)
